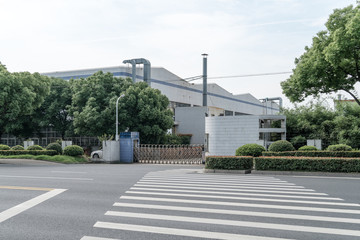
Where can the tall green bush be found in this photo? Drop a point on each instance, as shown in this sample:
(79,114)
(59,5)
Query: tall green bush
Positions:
(250,149)
(73,150)
(281,146)
(55,146)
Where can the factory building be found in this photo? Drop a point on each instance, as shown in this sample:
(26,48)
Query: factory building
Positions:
(191,118)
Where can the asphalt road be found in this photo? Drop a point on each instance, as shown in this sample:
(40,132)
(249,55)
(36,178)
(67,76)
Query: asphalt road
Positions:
(138,201)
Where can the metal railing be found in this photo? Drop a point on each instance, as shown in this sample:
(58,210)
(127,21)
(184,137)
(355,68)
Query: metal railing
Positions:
(169,154)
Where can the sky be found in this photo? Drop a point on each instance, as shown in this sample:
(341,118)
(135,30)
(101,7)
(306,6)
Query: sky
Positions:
(241,37)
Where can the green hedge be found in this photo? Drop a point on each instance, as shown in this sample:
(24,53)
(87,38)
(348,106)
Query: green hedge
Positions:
(308,164)
(250,149)
(343,154)
(24,152)
(229,163)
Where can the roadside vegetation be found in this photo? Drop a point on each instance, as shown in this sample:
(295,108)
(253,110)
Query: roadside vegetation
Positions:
(282,156)
(53,153)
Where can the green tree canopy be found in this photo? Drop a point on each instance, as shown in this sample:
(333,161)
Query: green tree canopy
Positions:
(145,110)
(332,62)
(20,95)
(316,121)
(91,108)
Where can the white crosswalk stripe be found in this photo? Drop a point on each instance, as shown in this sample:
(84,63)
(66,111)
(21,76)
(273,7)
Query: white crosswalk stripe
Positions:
(187,205)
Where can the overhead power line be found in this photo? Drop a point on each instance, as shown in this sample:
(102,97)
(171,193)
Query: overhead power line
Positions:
(250,75)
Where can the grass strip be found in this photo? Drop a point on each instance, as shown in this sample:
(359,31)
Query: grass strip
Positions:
(56,158)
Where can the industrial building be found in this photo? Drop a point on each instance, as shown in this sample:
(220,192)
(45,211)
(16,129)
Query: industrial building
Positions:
(203,123)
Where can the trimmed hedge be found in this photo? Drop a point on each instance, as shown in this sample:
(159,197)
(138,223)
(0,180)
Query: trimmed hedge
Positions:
(4,147)
(55,146)
(24,152)
(251,149)
(308,148)
(281,146)
(339,147)
(73,150)
(229,162)
(17,147)
(35,147)
(308,164)
(342,154)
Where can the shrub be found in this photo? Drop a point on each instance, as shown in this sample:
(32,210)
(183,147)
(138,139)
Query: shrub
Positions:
(4,147)
(281,146)
(30,152)
(308,164)
(298,141)
(308,148)
(17,147)
(55,146)
(344,154)
(339,147)
(250,149)
(73,150)
(229,163)
(35,147)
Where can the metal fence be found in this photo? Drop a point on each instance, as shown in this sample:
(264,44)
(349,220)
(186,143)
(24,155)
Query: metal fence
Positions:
(169,154)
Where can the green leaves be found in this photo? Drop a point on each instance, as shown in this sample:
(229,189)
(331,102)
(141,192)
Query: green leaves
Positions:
(21,94)
(332,62)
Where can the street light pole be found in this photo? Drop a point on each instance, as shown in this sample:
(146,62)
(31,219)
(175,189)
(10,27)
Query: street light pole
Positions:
(117,117)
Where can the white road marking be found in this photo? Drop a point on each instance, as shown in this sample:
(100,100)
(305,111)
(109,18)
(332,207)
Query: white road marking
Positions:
(239,204)
(222,183)
(245,198)
(182,179)
(273,226)
(29,204)
(235,193)
(68,172)
(221,188)
(55,178)
(180,232)
(243,186)
(96,238)
(236,212)
(345,178)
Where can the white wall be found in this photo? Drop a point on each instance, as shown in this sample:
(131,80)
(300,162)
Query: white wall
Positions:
(226,134)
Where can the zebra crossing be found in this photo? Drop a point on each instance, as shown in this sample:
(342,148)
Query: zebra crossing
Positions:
(181,204)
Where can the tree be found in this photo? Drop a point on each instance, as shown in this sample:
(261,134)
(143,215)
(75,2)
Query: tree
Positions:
(54,111)
(20,95)
(316,121)
(145,110)
(91,108)
(332,62)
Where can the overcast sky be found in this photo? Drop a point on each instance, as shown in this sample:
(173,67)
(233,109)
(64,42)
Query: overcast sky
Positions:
(241,36)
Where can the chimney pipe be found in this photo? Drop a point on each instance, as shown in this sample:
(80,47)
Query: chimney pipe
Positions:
(204,79)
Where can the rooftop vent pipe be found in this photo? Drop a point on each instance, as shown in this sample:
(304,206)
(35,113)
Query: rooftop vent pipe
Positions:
(147,68)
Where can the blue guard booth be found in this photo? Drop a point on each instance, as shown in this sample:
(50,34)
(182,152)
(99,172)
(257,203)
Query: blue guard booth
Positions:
(128,140)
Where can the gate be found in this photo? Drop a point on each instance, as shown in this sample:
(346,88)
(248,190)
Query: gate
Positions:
(169,154)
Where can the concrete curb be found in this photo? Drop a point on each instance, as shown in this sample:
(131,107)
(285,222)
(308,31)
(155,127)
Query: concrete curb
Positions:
(324,174)
(227,171)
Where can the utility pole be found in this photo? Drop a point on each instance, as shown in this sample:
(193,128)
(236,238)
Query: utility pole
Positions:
(117,118)
(204,79)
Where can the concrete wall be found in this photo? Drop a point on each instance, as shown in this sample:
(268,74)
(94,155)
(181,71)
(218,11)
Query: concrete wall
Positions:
(226,134)
(191,120)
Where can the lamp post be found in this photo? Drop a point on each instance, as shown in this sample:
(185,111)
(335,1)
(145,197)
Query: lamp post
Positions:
(117,117)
